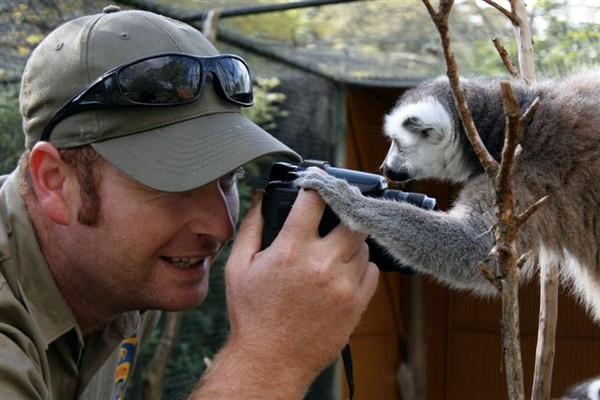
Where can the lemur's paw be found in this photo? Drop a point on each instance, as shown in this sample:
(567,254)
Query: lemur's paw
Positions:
(341,196)
(328,186)
(312,180)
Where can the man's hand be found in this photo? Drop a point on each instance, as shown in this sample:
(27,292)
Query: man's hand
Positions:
(292,306)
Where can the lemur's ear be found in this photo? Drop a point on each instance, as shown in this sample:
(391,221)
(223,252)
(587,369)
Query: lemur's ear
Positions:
(417,126)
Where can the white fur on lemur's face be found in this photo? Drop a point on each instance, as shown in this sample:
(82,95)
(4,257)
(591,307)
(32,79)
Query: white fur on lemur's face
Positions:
(424,144)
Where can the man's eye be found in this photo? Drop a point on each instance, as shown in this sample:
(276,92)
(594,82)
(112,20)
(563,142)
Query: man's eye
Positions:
(227,181)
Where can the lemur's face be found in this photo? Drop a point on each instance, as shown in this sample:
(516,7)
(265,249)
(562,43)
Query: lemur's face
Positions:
(423,144)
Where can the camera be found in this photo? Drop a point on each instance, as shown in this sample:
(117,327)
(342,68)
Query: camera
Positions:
(281,192)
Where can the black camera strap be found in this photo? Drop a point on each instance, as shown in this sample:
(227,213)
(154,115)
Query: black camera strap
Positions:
(347,359)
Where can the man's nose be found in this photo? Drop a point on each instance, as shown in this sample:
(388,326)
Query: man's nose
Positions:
(214,214)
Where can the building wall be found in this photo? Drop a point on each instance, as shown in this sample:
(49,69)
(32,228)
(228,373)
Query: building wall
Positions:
(462,332)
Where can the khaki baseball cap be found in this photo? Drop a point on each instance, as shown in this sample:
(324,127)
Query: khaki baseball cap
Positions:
(176,148)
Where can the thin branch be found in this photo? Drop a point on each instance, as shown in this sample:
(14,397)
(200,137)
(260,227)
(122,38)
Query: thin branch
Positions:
(512,111)
(155,372)
(529,113)
(505,57)
(503,10)
(210,24)
(411,374)
(505,229)
(441,22)
(549,276)
(523,259)
(524,40)
(430,9)
(507,225)
(511,340)
(548,317)
(524,216)
(488,274)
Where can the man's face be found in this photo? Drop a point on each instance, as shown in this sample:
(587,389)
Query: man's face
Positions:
(151,249)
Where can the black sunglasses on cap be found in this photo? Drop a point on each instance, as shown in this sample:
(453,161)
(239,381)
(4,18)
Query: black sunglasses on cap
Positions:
(161,80)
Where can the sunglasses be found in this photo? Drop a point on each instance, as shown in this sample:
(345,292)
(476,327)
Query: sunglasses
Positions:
(161,80)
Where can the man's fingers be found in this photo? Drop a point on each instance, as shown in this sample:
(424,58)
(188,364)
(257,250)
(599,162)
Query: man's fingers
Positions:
(305,215)
(368,282)
(348,241)
(248,239)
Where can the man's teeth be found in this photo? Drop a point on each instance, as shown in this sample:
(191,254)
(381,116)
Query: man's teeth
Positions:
(184,262)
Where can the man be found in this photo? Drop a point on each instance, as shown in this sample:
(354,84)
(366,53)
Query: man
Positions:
(124,197)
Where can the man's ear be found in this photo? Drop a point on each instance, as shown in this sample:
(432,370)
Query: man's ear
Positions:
(52,181)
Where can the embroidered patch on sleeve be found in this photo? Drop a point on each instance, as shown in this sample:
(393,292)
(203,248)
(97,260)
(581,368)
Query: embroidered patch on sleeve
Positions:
(127,352)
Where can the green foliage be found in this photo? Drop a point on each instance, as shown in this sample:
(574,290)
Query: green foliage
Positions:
(12,141)
(267,103)
(564,44)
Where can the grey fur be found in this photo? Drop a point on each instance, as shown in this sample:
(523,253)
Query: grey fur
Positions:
(586,390)
(560,157)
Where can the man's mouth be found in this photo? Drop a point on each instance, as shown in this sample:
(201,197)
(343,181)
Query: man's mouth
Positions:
(184,262)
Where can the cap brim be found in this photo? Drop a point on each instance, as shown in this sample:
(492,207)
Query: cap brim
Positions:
(192,153)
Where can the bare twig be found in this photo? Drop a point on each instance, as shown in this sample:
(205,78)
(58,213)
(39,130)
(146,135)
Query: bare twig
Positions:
(511,343)
(548,279)
(155,373)
(524,40)
(489,275)
(431,10)
(441,22)
(512,137)
(523,259)
(210,25)
(518,17)
(529,113)
(412,372)
(507,225)
(510,67)
(544,354)
(505,230)
(405,377)
(522,218)
(503,10)
(416,338)
(549,285)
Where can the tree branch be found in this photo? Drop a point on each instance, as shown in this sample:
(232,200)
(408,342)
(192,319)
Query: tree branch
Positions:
(155,373)
(440,19)
(524,216)
(210,25)
(544,353)
(505,229)
(508,64)
(489,275)
(548,279)
(524,40)
(503,10)
(512,138)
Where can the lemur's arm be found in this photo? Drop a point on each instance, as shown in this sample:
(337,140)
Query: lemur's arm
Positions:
(447,245)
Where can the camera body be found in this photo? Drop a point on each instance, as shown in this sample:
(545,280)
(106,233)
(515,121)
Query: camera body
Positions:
(281,192)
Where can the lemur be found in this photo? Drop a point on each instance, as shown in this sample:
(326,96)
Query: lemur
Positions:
(560,158)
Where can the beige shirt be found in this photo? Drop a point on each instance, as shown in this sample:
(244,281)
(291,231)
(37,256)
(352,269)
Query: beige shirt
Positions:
(42,352)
